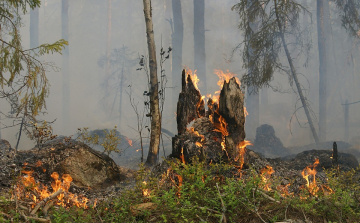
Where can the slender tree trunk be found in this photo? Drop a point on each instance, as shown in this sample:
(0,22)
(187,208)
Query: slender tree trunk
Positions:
(34,27)
(108,39)
(176,42)
(154,97)
(322,69)
(252,120)
(293,72)
(65,66)
(199,43)
(252,102)
(20,131)
(121,93)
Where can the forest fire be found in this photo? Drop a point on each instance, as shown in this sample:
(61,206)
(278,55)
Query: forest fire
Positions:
(29,188)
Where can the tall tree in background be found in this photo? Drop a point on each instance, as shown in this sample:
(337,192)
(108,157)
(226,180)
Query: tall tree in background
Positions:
(322,67)
(252,97)
(176,42)
(277,21)
(154,97)
(65,65)
(34,27)
(199,43)
(108,39)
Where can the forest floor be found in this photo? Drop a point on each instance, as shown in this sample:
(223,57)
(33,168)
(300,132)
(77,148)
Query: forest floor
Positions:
(174,191)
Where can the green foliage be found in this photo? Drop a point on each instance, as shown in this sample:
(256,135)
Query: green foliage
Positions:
(109,142)
(198,191)
(262,47)
(348,11)
(22,76)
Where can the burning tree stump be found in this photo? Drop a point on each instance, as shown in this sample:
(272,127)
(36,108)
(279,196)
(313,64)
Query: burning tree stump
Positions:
(216,133)
(190,105)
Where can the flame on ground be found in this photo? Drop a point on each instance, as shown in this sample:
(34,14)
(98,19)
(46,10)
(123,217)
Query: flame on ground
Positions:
(241,155)
(311,171)
(28,187)
(265,174)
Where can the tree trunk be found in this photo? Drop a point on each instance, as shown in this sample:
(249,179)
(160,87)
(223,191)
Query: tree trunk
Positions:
(65,65)
(322,69)
(34,27)
(176,42)
(252,100)
(293,72)
(154,97)
(252,120)
(108,39)
(199,43)
(121,93)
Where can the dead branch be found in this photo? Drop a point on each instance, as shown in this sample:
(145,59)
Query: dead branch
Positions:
(4,214)
(47,206)
(209,209)
(223,217)
(266,196)
(33,218)
(202,220)
(45,200)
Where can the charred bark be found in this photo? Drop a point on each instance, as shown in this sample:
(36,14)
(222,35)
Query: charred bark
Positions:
(189,106)
(231,108)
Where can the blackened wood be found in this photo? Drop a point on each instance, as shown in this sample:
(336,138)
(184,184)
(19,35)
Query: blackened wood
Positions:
(189,106)
(335,155)
(231,108)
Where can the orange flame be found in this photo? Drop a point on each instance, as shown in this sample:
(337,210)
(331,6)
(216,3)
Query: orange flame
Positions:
(198,144)
(311,170)
(40,191)
(225,77)
(129,141)
(194,78)
(284,190)
(146,192)
(182,155)
(241,155)
(265,176)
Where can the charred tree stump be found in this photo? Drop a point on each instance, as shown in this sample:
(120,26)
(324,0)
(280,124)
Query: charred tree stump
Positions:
(216,133)
(231,108)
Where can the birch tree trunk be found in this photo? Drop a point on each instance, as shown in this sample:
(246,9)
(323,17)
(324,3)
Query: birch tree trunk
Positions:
(322,69)
(154,97)
(34,27)
(65,65)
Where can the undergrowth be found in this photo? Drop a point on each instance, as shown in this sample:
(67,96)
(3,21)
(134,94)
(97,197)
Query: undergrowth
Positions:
(199,192)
